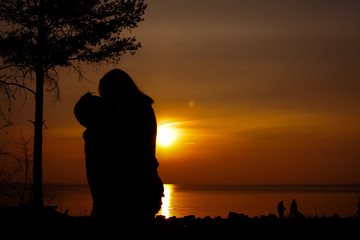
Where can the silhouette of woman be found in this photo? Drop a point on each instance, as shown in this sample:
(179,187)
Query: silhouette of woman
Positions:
(120,141)
(293,209)
(281,209)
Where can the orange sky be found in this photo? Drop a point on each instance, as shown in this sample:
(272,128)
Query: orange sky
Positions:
(262,92)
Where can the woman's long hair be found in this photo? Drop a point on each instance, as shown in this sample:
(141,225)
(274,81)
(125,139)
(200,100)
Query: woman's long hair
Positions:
(118,87)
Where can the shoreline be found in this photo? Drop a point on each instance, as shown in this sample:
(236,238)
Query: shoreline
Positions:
(29,221)
(217,200)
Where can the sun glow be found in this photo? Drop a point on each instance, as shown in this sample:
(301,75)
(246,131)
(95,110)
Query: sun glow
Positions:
(166,207)
(166,135)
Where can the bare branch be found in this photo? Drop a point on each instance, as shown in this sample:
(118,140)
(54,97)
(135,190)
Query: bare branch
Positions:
(17,85)
(10,155)
(3,67)
(15,180)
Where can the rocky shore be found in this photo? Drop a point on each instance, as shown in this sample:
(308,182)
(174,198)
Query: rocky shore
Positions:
(47,222)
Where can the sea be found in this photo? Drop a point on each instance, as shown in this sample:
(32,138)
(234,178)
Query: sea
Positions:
(218,200)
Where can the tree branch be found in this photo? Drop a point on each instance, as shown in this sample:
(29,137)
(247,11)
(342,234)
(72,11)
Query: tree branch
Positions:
(11,155)
(17,85)
(3,67)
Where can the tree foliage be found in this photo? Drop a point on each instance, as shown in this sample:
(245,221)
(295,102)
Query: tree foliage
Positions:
(64,33)
(83,30)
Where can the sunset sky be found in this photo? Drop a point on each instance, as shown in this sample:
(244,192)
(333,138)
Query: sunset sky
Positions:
(254,91)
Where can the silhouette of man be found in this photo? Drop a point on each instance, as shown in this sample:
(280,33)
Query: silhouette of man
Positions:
(281,209)
(120,141)
(293,209)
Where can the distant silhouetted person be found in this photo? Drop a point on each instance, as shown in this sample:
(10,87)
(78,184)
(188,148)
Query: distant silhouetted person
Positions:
(120,141)
(281,209)
(293,209)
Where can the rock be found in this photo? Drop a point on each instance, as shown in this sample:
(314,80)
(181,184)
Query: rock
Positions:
(232,216)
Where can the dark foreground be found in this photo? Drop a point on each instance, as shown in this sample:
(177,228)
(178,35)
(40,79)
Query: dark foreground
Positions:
(47,222)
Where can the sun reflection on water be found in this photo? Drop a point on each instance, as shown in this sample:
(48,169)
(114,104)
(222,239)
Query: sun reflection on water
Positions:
(166,201)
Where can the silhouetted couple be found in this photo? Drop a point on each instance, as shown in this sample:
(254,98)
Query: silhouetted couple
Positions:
(120,141)
(293,209)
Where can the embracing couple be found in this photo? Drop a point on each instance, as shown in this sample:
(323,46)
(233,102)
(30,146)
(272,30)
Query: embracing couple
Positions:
(120,142)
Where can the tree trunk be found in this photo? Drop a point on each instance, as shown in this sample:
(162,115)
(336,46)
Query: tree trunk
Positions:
(39,102)
(37,157)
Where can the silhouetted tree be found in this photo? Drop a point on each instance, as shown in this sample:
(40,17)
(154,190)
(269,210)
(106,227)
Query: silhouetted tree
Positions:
(38,37)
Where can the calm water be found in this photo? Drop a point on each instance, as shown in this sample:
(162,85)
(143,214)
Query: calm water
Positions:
(219,200)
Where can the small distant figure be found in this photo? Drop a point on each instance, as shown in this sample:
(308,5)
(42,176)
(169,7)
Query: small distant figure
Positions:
(358,209)
(293,209)
(281,209)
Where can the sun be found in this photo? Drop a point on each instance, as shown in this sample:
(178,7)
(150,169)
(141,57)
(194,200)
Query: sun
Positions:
(166,135)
